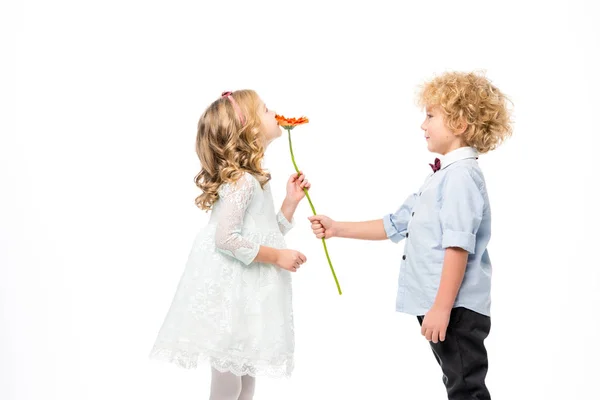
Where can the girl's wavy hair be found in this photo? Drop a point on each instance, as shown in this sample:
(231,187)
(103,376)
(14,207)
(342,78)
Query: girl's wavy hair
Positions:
(229,144)
(471,98)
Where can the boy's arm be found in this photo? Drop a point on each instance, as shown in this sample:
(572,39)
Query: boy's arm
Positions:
(436,320)
(367,230)
(453,272)
(460,216)
(392,226)
(396,224)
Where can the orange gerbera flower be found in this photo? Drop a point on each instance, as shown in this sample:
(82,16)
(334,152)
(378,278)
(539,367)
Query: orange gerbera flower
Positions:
(290,122)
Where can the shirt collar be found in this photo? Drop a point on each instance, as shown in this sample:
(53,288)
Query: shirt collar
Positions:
(461,153)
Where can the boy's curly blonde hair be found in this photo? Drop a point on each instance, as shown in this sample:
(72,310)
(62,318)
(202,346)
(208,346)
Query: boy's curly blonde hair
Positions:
(470,98)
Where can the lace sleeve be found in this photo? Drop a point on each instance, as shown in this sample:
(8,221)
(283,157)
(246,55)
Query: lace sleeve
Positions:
(235,198)
(284,225)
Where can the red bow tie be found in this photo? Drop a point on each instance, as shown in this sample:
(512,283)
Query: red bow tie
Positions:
(436,165)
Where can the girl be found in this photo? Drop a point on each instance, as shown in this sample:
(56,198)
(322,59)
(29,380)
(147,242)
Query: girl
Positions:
(233,305)
(445,273)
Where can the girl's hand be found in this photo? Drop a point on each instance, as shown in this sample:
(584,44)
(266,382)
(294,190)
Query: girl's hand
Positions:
(322,226)
(290,260)
(295,187)
(435,324)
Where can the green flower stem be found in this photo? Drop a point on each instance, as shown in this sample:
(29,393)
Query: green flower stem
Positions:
(313,210)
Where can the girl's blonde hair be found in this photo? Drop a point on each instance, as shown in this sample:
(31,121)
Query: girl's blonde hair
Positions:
(229,144)
(470,98)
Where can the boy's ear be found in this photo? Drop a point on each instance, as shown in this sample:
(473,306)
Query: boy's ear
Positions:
(462,127)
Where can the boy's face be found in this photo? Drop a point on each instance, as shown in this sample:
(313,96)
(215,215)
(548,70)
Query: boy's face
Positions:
(440,139)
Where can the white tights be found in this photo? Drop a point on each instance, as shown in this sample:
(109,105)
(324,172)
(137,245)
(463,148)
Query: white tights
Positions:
(227,386)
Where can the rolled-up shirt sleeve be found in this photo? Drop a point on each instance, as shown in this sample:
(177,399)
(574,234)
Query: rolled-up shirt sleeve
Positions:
(396,224)
(461,211)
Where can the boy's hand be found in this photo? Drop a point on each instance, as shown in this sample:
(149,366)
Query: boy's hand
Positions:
(322,226)
(295,187)
(435,324)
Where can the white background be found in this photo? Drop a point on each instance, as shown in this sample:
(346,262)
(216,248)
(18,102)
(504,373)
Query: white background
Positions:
(100,101)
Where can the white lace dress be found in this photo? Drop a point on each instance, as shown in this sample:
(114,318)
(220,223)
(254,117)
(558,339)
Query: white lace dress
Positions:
(228,310)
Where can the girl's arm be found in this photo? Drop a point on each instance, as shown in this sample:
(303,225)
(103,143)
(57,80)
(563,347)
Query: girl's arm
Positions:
(286,215)
(294,194)
(284,258)
(229,239)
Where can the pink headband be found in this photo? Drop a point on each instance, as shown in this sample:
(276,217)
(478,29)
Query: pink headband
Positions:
(235,106)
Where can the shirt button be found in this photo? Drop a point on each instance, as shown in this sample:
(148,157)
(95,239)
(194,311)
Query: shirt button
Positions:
(406,234)
(413,214)
(404,257)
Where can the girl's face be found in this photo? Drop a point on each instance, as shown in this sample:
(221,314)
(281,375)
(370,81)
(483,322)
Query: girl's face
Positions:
(269,126)
(440,138)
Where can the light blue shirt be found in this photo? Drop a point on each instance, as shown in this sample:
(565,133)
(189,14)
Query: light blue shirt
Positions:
(451,209)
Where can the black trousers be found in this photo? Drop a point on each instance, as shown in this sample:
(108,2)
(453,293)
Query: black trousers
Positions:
(462,356)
